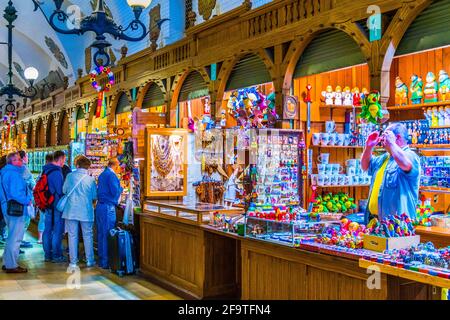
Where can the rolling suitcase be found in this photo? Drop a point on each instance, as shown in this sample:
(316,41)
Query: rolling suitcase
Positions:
(121,252)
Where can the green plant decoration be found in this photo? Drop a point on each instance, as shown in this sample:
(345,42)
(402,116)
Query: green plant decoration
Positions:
(371,108)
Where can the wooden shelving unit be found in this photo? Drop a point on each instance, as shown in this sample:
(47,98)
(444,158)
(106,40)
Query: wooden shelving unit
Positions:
(419,106)
(345,186)
(435,189)
(337,147)
(332,106)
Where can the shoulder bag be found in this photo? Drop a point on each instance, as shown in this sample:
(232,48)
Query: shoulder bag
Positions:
(60,206)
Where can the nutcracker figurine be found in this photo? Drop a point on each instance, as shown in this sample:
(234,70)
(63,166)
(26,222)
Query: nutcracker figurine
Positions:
(401,92)
(444,86)
(416,89)
(431,89)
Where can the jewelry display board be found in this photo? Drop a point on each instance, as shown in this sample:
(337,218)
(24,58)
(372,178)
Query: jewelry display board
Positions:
(166,173)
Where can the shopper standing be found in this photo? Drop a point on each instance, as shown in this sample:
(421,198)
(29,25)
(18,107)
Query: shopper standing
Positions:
(81,190)
(2,220)
(14,191)
(109,191)
(54,224)
(30,184)
(41,224)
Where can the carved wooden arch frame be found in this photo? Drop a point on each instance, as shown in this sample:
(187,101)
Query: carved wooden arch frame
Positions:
(62,114)
(29,138)
(228,65)
(48,130)
(37,139)
(111,114)
(179,81)
(395,32)
(301,43)
(145,87)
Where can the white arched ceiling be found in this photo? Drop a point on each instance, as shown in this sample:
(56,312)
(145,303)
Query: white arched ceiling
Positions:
(31,30)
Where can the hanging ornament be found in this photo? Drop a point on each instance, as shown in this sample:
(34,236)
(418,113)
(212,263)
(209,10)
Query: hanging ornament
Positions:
(101,90)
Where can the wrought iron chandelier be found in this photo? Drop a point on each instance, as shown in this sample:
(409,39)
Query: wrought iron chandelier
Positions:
(99,23)
(31,74)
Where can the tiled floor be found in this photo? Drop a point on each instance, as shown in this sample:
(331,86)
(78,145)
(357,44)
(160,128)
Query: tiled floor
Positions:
(48,281)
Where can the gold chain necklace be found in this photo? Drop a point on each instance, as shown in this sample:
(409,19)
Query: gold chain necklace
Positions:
(162,157)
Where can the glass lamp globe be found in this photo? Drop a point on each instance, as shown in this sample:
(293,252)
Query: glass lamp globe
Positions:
(31,73)
(139,3)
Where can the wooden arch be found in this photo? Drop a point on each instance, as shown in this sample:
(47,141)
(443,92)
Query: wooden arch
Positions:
(40,134)
(63,129)
(228,65)
(299,45)
(144,88)
(51,132)
(113,105)
(30,136)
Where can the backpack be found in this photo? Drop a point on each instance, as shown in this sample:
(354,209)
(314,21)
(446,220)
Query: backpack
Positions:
(41,194)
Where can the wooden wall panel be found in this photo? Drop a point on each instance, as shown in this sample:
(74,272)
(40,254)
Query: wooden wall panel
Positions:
(155,239)
(419,63)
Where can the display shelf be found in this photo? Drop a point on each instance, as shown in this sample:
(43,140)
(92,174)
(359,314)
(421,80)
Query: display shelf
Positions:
(332,106)
(344,186)
(431,147)
(435,189)
(418,106)
(337,147)
(406,274)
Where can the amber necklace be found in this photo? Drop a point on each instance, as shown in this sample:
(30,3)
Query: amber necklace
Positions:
(162,157)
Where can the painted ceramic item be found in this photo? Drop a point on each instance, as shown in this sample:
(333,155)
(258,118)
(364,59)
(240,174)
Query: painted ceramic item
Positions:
(431,89)
(444,86)
(401,92)
(338,96)
(348,97)
(416,89)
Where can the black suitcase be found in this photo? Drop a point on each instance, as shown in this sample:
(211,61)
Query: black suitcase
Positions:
(122,260)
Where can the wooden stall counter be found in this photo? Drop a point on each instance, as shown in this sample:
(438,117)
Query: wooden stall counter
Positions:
(177,253)
(439,236)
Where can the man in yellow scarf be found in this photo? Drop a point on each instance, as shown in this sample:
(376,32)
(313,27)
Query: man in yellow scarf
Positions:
(396,174)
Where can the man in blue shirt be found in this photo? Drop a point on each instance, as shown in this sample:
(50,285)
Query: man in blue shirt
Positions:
(54,223)
(108,193)
(396,174)
(14,187)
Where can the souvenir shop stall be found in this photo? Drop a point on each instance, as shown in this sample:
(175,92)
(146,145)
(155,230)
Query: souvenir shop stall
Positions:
(286,217)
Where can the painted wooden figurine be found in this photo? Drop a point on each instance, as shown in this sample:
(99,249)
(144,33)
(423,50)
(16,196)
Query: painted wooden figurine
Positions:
(431,89)
(328,94)
(444,86)
(348,97)
(364,93)
(416,89)
(401,92)
(356,97)
(338,96)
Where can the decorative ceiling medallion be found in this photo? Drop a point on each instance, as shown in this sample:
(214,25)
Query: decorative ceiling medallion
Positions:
(57,53)
(206,7)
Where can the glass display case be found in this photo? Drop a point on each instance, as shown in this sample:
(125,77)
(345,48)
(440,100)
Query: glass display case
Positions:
(290,233)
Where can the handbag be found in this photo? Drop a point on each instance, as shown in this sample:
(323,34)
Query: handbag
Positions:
(13,208)
(60,206)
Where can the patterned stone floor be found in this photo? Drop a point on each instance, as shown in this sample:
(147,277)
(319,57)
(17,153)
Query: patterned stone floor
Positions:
(48,281)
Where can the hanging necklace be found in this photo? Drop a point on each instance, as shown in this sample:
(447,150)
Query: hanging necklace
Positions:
(162,156)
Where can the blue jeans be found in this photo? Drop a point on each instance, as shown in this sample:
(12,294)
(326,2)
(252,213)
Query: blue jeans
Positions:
(88,239)
(41,225)
(105,220)
(16,232)
(53,234)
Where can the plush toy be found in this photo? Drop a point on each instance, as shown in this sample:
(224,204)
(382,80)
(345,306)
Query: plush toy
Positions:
(444,86)
(329,95)
(338,96)
(416,89)
(401,92)
(348,97)
(356,97)
(431,89)
(371,109)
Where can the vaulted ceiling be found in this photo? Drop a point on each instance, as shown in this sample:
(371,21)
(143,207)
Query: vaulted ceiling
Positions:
(36,44)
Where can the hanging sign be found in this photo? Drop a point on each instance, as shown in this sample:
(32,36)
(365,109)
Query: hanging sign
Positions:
(374,23)
(290,107)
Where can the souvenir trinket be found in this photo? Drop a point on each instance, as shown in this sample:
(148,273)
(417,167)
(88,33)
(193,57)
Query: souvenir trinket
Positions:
(338,96)
(328,94)
(371,109)
(416,89)
(348,97)
(444,86)
(431,89)
(401,93)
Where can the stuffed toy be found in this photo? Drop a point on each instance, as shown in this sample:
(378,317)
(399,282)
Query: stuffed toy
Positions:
(371,108)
